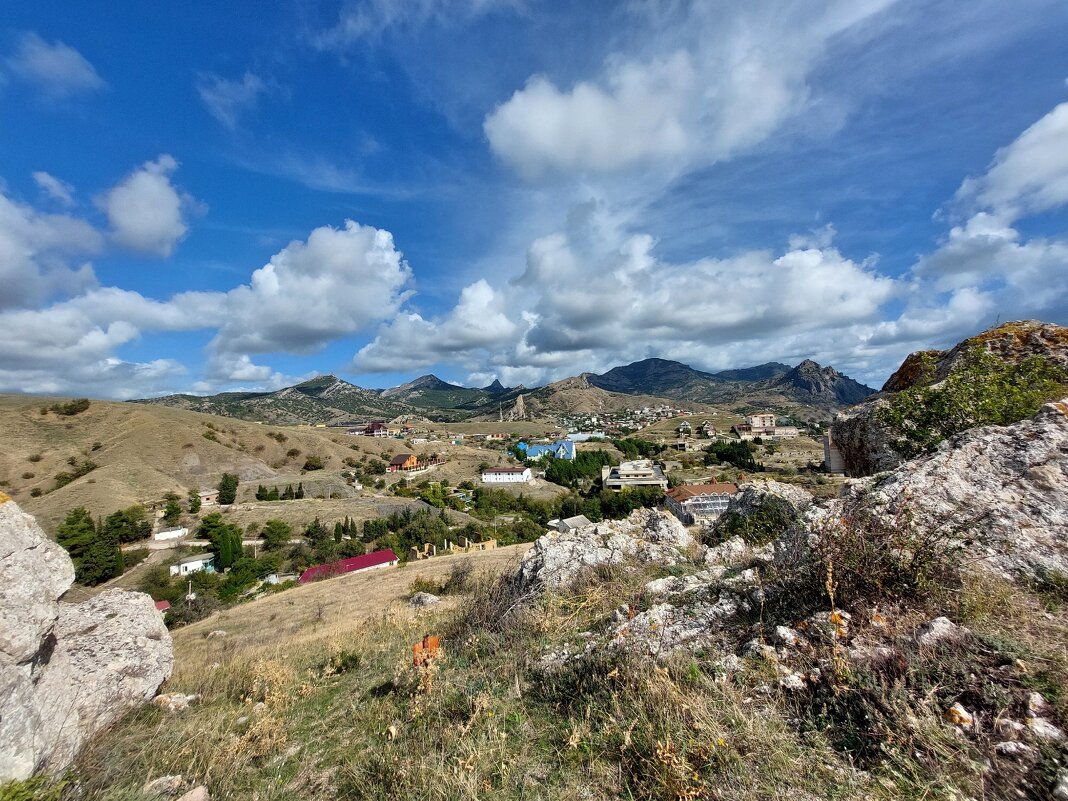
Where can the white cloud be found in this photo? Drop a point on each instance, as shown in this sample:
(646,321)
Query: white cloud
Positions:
(57,69)
(595,295)
(1028,176)
(146,212)
(738,75)
(37,251)
(53,187)
(338,282)
(372,18)
(228,99)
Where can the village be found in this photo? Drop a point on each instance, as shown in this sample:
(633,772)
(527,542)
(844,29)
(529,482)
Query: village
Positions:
(419,490)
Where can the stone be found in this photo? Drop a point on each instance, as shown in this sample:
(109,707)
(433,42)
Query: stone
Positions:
(1044,730)
(173,702)
(1009,729)
(34,572)
(66,670)
(647,535)
(199,793)
(787,637)
(938,630)
(959,716)
(1000,492)
(1011,748)
(1037,706)
(164,786)
(1060,789)
(217,633)
(421,599)
(864,440)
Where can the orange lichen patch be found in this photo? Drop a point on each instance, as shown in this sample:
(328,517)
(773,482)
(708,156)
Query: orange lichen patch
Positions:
(4,498)
(1060,406)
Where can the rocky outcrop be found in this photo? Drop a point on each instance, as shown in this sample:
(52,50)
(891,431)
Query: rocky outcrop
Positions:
(864,440)
(1001,489)
(647,535)
(66,670)
(1011,342)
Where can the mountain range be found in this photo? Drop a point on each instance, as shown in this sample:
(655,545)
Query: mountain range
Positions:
(808,389)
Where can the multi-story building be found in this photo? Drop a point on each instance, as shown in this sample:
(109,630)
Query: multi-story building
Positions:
(639,473)
(699,503)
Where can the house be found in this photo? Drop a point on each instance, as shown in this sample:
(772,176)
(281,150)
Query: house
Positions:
(507,475)
(376,428)
(699,503)
(763,425)
(638,473)
(684,429)
(496,437)
(561,449)
(570,523)
(708,428)
(170,533)
(194,564)
(208,497)
(163,606)
(402,461)
(354,564)
(832,457)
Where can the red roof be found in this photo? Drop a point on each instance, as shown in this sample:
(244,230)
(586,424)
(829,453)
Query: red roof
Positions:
(163,606)
(687,491)
(350,565)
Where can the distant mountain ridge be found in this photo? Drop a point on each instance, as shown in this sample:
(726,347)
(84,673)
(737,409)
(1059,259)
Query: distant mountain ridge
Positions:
(328,399)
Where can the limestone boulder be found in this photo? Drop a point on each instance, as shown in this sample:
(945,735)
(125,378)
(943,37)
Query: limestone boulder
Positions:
(1001,491)
(34,572)
(66,670)
(647,535)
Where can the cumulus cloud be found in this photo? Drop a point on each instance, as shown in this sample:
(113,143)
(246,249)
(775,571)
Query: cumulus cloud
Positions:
(54,188)
(39,254)
(146,212)
(741,74)
(227,99)
(57,69)
(338,282)
(595,294)
(1028,176)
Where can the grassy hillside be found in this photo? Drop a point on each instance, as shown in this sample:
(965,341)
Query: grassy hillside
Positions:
(141,452)
(313,695)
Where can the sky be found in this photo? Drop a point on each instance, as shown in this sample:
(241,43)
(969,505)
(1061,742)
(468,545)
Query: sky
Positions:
(196,198)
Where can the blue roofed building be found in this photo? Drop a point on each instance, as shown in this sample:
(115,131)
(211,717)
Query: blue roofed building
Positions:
(561,449)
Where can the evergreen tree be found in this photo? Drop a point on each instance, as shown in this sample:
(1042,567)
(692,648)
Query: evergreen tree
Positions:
(261,493)
(95,553)
(194,501)
(128,525)
(227,488)
(339,531)
(276,534)
(172,510)
(273,494)
(288,494)
(300,491)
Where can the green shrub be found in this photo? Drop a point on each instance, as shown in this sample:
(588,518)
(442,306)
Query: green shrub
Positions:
(70,408)
(982,390)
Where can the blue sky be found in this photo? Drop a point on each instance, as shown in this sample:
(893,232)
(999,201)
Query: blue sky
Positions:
(198,198)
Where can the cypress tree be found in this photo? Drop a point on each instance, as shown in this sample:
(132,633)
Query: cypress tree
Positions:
(300,491)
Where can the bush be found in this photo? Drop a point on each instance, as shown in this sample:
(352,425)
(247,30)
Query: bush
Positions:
(982,390)
(28,475)
(774,516)
(33,457)
(36,492)
(135,557)
(70,408)
(313,463)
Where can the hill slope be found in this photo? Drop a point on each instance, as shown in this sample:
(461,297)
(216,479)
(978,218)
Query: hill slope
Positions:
(324,399)
(809,385)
